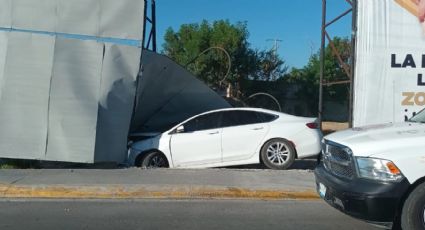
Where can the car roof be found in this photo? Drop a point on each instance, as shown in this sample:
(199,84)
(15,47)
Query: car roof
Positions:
(228,109)
(280,114)
(237,109)
(242,109)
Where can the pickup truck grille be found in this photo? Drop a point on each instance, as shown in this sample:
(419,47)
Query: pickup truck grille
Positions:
(338,160)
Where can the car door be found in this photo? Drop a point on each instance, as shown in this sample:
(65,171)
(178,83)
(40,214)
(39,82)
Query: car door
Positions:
(197,142)
(243,132)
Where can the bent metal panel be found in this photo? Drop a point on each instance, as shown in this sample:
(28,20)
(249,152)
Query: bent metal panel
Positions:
(67,78)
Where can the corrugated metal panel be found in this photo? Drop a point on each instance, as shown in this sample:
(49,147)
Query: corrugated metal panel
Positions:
(168,94)
(98,18)
(54,100)
(74,98)
(6,13)
(4,37)
(24,96)
(78,17)
(121,19)
(35,15)
(118,87)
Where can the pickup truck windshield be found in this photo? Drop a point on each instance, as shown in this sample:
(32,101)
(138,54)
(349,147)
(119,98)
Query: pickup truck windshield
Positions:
(420,117)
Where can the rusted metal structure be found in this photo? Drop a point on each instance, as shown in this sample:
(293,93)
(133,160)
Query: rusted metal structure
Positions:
(348,68)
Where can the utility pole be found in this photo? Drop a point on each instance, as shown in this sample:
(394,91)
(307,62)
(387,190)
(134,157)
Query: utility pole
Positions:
(276,42)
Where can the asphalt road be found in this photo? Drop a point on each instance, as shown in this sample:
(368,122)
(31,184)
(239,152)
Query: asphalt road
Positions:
(173,214)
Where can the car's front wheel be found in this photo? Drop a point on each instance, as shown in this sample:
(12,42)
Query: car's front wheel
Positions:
(413,213)
(154,159)
(278,154)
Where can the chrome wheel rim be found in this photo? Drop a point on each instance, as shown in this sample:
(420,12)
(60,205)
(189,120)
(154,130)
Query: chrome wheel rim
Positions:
(157,161)
(278,153)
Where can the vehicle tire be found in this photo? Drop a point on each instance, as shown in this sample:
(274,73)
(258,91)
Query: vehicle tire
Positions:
(154,159)
(278,154)
(413,212)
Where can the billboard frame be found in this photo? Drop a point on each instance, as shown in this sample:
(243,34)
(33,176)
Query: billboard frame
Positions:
(348,69)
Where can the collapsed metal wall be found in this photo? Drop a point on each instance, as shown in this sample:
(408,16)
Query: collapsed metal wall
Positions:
(168,94)
(67,78)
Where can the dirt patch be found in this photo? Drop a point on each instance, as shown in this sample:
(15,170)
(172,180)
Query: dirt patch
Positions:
(330,127)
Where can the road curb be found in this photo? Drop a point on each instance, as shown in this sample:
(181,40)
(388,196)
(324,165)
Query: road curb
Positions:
(150,192)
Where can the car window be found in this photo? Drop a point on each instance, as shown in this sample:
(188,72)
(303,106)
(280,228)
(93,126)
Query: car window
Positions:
(266,117)
(234,118)
(204,122)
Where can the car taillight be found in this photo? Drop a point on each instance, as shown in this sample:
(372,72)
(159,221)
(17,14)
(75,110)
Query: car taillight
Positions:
(312,125)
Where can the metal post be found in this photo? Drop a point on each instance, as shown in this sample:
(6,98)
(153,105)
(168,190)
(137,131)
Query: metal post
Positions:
(145,11)
(353,62)
(153,25)
(322,63)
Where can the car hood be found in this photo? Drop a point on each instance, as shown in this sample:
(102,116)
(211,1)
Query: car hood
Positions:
(147,142)
(378,139)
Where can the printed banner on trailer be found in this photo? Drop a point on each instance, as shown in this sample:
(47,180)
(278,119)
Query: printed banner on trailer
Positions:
(390,61)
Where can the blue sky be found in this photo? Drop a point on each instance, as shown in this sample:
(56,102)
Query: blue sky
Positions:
(296,22)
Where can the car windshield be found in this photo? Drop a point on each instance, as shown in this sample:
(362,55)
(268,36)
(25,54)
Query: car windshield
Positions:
(420,117)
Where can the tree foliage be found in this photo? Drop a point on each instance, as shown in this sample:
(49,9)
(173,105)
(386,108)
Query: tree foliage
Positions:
(250,66)
(308,77)
(185,46)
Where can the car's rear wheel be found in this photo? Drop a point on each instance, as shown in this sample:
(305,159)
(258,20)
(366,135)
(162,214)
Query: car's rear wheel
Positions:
(278,154)
(413,213)
(154,159)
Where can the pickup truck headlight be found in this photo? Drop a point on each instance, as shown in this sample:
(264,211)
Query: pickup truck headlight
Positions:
(378,169)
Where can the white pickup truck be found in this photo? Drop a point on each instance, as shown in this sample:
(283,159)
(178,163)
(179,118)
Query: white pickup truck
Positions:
(376,173)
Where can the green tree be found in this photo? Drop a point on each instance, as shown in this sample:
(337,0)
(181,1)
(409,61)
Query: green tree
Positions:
(269,66)
(308,77)
(185,46)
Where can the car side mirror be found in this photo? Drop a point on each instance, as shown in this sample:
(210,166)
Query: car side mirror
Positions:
(180,129)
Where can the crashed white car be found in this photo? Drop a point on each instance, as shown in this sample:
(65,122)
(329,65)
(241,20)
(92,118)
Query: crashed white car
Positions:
(226,137)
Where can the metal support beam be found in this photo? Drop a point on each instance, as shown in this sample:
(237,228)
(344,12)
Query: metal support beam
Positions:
(338,56)
(150,42)
(145,19)
(153,10)
(322,63)
(350,2)
(339,17)
(348,68)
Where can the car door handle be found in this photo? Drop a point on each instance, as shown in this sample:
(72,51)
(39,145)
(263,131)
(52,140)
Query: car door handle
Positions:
(213,133)
(258,128)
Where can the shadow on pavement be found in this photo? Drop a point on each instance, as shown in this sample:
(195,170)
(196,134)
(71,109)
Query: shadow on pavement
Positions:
(305,164)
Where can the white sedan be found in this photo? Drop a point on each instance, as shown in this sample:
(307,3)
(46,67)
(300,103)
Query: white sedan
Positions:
(226,137)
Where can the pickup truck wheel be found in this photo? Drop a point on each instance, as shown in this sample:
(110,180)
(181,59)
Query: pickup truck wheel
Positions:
(154,160)
(413,213)
(278,154)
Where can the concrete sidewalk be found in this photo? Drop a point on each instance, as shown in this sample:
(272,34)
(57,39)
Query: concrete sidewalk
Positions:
(157,183)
